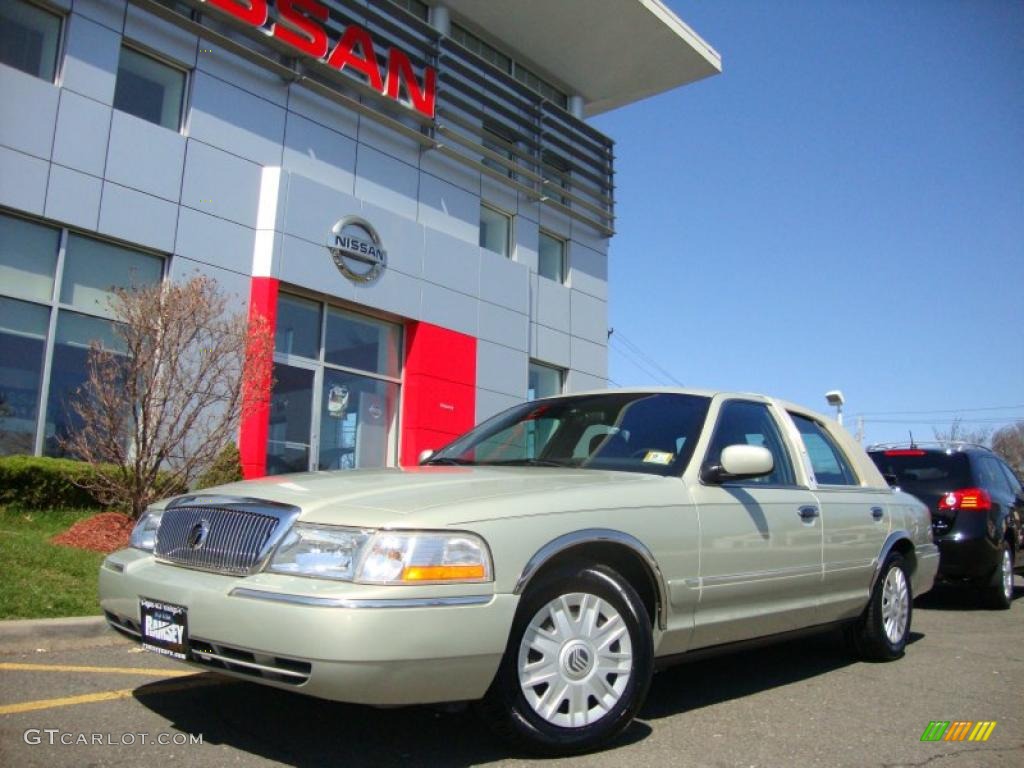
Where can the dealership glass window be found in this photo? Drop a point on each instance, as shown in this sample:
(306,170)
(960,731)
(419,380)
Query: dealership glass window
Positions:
(415,7)
(334,404)
(28,258)
(23,329)
(488,53)
(544,381)
(559,171)
(298,327)
(492,55)
(551,258)
(29,38)
(54,286)
(361,343)
(91,267)
(495,229)
(496,138)
(149,89)
(75,334)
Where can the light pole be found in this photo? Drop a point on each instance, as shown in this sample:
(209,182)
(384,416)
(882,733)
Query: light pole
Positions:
(835,398)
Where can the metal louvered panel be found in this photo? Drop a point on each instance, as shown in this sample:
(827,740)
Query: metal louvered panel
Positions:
(213,538)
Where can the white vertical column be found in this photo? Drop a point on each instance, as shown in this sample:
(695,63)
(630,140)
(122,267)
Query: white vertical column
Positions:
(266,222)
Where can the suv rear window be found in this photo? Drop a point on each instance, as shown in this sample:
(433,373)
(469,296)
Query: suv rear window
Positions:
(928,472)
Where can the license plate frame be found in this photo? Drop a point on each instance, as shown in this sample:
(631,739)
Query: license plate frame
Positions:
(164,628)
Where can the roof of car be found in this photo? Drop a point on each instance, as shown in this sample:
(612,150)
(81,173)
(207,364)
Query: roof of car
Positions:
(725,393)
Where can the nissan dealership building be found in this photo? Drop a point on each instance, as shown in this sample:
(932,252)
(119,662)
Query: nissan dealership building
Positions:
(408,191)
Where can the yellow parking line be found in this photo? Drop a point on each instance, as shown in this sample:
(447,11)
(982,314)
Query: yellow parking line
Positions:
(108,670)
(197,681)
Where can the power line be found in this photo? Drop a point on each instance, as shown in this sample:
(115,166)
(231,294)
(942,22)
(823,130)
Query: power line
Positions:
(635,348)
(636,363)
(937,411)
(1004,420)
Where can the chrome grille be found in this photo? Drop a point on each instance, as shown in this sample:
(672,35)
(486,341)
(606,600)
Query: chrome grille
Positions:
(233,542)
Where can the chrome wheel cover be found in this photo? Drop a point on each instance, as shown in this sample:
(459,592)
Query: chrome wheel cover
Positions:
(575,660)
(895,604)
(1007,575)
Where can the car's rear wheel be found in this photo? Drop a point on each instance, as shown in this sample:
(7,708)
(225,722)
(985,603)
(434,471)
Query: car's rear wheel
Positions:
(881,632)
(999,592)
(578,664)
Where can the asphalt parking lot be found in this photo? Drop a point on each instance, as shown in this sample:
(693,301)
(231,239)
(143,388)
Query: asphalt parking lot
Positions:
(801,703)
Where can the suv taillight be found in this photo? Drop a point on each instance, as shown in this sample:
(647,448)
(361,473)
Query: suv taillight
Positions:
(973,499)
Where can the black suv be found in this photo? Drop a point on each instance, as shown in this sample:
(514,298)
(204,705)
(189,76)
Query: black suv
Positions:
(977,506)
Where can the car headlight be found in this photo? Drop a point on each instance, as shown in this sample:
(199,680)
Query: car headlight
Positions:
(394,557)
(382,557)
(144,532)
(326,552)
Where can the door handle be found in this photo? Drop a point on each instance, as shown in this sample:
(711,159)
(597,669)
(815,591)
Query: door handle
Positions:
(877,513)
(808,513)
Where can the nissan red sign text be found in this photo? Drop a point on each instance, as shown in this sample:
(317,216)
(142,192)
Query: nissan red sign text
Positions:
(300,26)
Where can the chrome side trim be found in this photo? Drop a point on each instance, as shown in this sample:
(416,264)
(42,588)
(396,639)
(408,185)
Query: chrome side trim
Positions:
(596,536)
(228,660)
(779,573)
(343,602)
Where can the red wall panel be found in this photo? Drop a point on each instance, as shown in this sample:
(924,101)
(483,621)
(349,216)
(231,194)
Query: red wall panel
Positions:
(253,431)
(438,390)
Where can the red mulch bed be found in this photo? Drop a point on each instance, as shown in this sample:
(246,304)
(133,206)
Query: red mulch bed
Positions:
(105,532)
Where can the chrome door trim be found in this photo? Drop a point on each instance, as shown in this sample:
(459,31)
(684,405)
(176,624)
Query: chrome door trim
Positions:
(345,602)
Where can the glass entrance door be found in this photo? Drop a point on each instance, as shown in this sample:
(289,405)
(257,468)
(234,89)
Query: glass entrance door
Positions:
(334,404)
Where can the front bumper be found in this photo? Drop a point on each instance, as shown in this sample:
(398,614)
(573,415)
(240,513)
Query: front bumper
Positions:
(430,645)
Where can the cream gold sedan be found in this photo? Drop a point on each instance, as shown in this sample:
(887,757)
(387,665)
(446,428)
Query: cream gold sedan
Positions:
(540,565)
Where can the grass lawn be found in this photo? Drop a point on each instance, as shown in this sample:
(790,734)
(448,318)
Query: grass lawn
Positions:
(40,579)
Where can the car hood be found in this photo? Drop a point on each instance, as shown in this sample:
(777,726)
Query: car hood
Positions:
(439,495)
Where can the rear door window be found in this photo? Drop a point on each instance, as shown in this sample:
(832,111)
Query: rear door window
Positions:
(831,467)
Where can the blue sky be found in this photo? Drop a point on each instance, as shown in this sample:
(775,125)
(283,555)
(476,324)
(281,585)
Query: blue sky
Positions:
(843,207)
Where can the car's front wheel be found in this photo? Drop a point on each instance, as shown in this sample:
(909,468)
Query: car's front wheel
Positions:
(578,663)
(881,633)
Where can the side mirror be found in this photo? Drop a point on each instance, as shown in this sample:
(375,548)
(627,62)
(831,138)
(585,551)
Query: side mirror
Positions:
(739,462)
(425,454)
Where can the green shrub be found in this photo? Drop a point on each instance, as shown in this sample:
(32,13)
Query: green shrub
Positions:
(226,468)
(39,482)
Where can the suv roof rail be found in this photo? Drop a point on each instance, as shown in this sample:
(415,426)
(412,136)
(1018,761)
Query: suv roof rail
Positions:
(958,445)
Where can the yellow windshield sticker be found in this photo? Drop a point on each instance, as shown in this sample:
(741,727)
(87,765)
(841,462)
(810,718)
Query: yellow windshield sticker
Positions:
(658,457)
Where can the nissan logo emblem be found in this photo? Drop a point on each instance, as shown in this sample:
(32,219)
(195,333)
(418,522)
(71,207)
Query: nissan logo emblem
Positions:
(356,249)
(197,536)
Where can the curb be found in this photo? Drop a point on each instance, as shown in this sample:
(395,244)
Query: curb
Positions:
(21,635)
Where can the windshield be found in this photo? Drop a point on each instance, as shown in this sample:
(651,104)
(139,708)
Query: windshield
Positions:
(630,432)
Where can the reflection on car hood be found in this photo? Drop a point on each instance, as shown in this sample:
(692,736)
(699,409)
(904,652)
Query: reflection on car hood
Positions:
(437,495)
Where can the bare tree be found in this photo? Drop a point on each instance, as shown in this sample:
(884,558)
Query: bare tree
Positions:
(160,408)
(1008,442)
(958,433)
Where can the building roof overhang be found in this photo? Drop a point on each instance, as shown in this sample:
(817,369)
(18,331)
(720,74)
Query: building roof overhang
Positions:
(610,52)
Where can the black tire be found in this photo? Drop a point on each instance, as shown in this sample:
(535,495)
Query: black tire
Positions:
(867,636)
(998,593)
(509,713)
